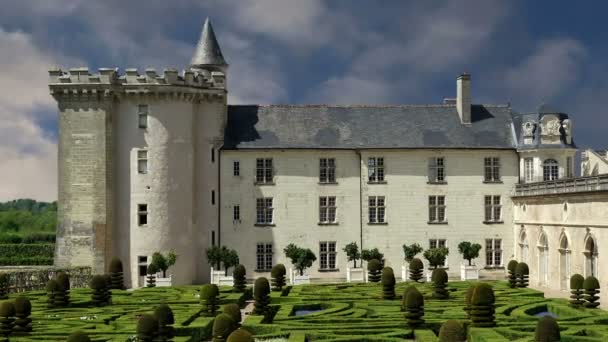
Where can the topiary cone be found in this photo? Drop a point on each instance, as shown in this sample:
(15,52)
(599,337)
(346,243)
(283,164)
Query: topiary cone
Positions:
(78,336)
(414,308)
(52,288)
(223,325)
(374,268)
(388,283)
(416,268)
(482,306)
(240,281)
(522,271)
(261,291)
(547,330)
(277,275)
(240,335)
(23,310)
(4,283)
(98,285)
(440,280)
(116,274)
(7,320)
(576,290)
(467,301)
(591,286)
(209,298)
(62,296)
(164,316)
(234,311)
(147,328)
(452,331)
(512,278)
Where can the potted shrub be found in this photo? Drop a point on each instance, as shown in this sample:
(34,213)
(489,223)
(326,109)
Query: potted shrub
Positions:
(409,253)
(214,258)
(301,258)
(230,258)
(469,252)
(352,253)
(374,253)
(162,263)
(436,258)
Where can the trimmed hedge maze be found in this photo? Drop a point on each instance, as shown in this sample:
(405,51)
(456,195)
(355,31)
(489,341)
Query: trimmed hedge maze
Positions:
(332,312)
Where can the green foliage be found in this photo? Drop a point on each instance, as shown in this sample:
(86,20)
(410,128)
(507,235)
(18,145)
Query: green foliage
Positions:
(151,275)
(369,254)
(147,328)
(233,311)
(26,254)
(23,310)
(164,316)
(79,336)
(214,256)
(277,275)
(240,282)
(7,322)
(223,325)
(469,250)
(240,335)
(512,277)
(436,256)
(591,286)
(388,283)
(52,288)
(26,215)
(261,292)
(163,262)
(452,331)
(300,258)
(352,253)
(230,258)
(440,280)
(576,290)
(98,285)
(547,330)
(414,307)
(522,271)
(410,252)
(482,306)
(116,274)
(416,268)
(209,298)
(62,295)
(374,267)
(4,282)
(467,300)
(12,260)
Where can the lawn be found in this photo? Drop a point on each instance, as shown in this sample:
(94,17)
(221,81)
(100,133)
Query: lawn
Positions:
(348,312)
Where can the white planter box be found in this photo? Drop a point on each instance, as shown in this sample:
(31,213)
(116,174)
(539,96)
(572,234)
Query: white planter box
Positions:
(469,272)
(296,279)
(429,275)
(163,282)
(225,280)
(355,274)
(405,272)
(216,275)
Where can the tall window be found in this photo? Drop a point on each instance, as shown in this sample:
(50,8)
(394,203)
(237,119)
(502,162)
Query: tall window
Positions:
(376,209)
(142,116)
(437,243)
(263,170)
(529,170)
(263,256)
(327,170)
(491,169)
(264,210)
(142,265)
(436,170)
(436,209)
(142,161)
(327,209)
(375,169)
(493,208)
(327,254)
(550,170)
(569,170)
(142,214)
(236,213)
(213,155)
(494,252)
(236,168)
(212,197)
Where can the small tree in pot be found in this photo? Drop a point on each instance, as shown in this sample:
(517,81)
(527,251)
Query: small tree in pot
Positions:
(436,256)
(214,257)
(410,252)
(374,253)
(352,253)
(230,258)
(163,262)
(300,258)
(469,250)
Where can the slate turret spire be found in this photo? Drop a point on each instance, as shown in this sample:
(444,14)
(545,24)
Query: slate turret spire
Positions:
(208,54)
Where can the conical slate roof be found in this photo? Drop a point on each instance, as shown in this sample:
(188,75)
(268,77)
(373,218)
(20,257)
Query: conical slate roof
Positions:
(208,50)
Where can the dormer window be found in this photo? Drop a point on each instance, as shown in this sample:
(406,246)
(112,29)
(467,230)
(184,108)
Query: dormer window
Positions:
(550,170)
(142,116)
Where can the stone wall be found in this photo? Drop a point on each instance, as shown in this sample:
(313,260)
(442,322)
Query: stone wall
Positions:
(35,278)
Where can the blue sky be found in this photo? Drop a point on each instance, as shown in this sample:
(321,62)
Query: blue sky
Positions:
(304,51)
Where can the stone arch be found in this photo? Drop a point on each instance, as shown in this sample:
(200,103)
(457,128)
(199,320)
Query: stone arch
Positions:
(523,245)
(564,261)
(591,255)
(543,258)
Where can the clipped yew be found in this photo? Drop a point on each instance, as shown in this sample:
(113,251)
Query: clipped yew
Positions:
(467,301)
(164,316)
(452,331)
(414,307)
(576,289)
(277,275)
(23,310)
(147,328)
(98,285)
(388,283)
(440,282)
(416,269)
(7,318)
(512,277)
(261,292)
(404,297)
(522,272)
(592,288)
(79,336)
(62,296)
(240,282)
(116,274)
(234,311)
(4,281)
(547,330)
(151,275)
(482,306)
(209,298)
(52,289)
(223,325)
(374,269)
(240,335)
(108,289)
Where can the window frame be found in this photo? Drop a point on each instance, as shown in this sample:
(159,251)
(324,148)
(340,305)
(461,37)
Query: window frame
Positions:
(264,211)
(142,161)
(142,114)
(236,213)
(142,261)
(142,213)
(327,209)
(528,170)
(492,207)
(376,170)
(494,253)
(436,170)
(569,167)
(376,205)
(550,170)
(236,168)
(327,170)
(491,172)
(264,256)
(328,254)
(437,209)
(264,171)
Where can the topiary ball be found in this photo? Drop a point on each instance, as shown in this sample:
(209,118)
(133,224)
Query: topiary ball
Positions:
(240,335)
(591,283)
(439,276)
(52,286)
(452,331)
(164,315)
(547,330)
(147,325)
(278,271)
(576,282)
(388,276)
(23,306)
(261,288)
(404,297)
(115,265)
(414,298)
(512,266)
(416,264)
(78,336)
(63,280)
(522,269)
(232,310)
(7,309)
(374,265)
(239,271)
(98,282)
(223,325)
(483,295)
(209,291)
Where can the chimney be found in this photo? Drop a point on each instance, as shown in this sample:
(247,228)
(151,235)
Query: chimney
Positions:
(463,97)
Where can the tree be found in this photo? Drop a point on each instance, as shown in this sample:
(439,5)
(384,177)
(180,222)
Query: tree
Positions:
(240,282)
(482,306)
(547,330)
(277,275)
(261,294)
(416,267)
(164,315)
(23,310)
(511,267)
(522,271)
(374,268)
(163,262)
(452,331)
(352,252)
(151,278)
(414,307)
(440,280)
(410,252)
(230,258)
(469,250)
(576,289)
(214,256)
(388,283)
(209,298)
(369,254)
(591,286)
(116,272)
(436,256)
(300,258)
(147,328)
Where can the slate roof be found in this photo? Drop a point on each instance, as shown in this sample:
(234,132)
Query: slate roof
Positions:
(544,109)
(207,50)
(353,127)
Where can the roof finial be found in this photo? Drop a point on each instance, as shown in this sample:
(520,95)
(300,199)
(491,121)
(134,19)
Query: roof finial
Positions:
(207,52)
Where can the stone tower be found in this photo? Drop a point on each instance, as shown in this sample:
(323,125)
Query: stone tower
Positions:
(134,145)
